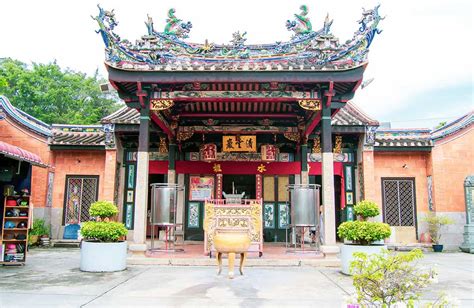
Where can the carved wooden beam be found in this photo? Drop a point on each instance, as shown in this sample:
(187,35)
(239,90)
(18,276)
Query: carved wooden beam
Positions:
(162,123)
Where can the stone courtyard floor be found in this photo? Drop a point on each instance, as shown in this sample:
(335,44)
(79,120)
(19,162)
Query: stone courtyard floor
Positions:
(51,278)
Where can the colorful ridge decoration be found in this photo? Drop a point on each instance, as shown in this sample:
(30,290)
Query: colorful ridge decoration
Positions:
(307,49)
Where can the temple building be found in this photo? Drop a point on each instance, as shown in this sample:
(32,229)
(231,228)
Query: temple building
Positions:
(240,118)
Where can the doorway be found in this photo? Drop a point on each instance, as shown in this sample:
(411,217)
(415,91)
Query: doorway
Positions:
(237,183)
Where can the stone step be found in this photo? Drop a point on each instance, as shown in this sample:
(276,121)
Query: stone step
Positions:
(66,243)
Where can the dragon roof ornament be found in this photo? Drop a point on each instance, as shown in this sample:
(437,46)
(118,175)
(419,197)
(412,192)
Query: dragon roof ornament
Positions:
(306,50)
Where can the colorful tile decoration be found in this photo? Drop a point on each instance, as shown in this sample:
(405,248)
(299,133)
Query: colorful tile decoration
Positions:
(283,215)
(349,198)
(129,216)
(131,176)
(193,215)
(130,196)
(269,215)
(348,179)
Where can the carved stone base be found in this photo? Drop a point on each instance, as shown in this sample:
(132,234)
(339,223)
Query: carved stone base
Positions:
(468,243)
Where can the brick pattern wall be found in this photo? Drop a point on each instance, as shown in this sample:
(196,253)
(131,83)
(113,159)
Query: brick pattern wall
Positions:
(452,162)
(77,162)
(390,164)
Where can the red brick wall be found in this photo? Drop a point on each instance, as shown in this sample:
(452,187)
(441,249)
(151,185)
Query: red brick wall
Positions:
(453,160)
(77,162)
(390,164)
(14,134)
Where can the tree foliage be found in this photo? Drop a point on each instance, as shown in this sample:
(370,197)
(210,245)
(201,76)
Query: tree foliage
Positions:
(53,95)
(385,279)
(111,231)
(366,209)
(363,232)
(103,209)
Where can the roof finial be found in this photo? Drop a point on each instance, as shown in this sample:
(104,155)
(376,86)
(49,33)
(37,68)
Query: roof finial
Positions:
(149,25)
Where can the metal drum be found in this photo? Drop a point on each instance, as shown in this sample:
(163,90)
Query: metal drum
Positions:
(304,204)
(163,204)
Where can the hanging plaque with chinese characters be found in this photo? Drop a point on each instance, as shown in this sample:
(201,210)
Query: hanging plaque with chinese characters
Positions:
(239,143)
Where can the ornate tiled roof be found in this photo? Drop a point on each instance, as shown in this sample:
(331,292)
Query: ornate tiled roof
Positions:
(347,116)
(455,126)
(124,115)
(24,119)
(78,135)
(308,49)
(351,115)
(403,138)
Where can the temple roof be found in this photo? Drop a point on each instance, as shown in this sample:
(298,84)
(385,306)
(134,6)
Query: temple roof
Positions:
(77,135)
(124,115)
(22,118)
(307,50)
(349,115)
(403,138)
(454,127)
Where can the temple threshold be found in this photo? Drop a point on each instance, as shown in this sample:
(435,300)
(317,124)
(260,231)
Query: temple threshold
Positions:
(274,254)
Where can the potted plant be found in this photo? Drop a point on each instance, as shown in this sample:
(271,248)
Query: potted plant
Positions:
(435,223)
(38,229)
(103,248)
(363,234)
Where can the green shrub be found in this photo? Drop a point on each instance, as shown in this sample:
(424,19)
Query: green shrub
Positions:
(385,279)
(366,209)
(435,222)
(363,232)
(39,228)
(103,231)
(103,209)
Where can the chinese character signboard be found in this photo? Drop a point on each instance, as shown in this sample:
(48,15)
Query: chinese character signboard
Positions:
(239,143)
(269,152)
(209,152)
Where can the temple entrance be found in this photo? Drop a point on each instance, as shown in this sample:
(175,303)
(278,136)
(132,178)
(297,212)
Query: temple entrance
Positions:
(237,184)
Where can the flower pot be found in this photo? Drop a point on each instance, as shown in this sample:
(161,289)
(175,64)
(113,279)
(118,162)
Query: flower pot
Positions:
(348,249)
(437,247)
(103,257)
(32,239)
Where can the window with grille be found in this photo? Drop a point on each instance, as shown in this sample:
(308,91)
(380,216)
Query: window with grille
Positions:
(399,202)
(81,192)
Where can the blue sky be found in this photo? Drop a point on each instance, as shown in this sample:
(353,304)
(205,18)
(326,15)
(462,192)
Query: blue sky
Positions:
(421,63)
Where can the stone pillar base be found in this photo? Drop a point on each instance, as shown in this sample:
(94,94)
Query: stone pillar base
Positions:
(138,250)
(330,251)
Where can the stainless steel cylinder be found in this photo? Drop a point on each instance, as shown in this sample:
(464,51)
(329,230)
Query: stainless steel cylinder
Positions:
(304,205)
(163,205)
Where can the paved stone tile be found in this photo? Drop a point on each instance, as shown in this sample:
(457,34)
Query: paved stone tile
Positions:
(52,278)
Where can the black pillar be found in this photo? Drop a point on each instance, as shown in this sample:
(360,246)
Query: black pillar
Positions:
(326,134)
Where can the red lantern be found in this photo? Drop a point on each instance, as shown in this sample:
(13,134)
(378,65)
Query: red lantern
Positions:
(269,152)
(209,152)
